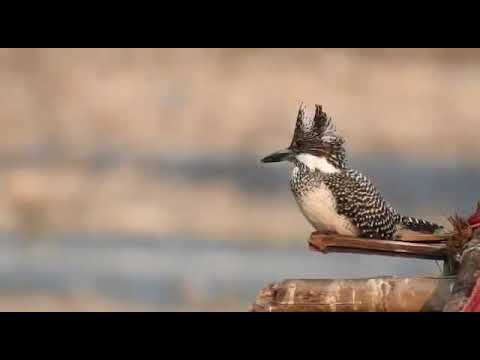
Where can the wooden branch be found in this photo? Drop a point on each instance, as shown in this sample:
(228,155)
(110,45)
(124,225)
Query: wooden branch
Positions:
(459,249)
(336,243)
(412,236)
(383,294)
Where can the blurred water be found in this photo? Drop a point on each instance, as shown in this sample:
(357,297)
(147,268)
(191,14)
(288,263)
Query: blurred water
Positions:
(139,141)
(407,183)
(194,273)
(177,272)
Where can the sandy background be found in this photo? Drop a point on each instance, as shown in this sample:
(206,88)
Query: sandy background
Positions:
(165,144)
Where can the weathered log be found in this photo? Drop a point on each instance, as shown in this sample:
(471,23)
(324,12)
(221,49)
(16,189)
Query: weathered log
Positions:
(473,304)
(382,294)
(459,249)
(467,278)
(337,243)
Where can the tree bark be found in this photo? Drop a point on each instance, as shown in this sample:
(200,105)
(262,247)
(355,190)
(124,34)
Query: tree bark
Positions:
(382,294)
(467,278)
(473,304)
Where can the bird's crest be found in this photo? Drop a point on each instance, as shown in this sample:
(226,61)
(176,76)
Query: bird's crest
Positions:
(315,133)
(314,125)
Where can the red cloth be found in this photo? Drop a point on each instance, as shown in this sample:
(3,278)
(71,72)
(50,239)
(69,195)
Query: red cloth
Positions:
(474,220)
(473,304)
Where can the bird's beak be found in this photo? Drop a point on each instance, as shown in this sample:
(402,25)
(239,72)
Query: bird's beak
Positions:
(282,155)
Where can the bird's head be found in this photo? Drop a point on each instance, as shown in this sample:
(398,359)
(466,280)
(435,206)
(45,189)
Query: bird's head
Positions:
(315,141)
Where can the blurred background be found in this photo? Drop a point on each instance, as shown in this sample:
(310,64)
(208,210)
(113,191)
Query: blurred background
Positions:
(131,178)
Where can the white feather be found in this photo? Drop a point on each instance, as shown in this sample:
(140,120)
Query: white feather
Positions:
(319,208)
(308,117)
(317,163)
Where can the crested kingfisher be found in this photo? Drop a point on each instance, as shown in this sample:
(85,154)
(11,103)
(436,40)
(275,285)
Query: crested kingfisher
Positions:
(334,198)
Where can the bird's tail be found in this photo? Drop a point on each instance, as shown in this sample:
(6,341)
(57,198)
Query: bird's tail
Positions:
(420,225)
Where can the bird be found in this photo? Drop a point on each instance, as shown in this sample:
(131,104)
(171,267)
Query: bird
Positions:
(334,198)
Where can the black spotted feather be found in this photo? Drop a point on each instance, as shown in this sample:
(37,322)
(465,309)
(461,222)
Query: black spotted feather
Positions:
(358,200)
(355,196)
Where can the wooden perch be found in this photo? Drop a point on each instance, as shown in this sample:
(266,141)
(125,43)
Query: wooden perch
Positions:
(383,294)
(460,251)
(413,236)
(336,243)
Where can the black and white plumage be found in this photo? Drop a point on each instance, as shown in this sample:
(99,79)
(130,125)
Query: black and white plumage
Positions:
(334,198)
